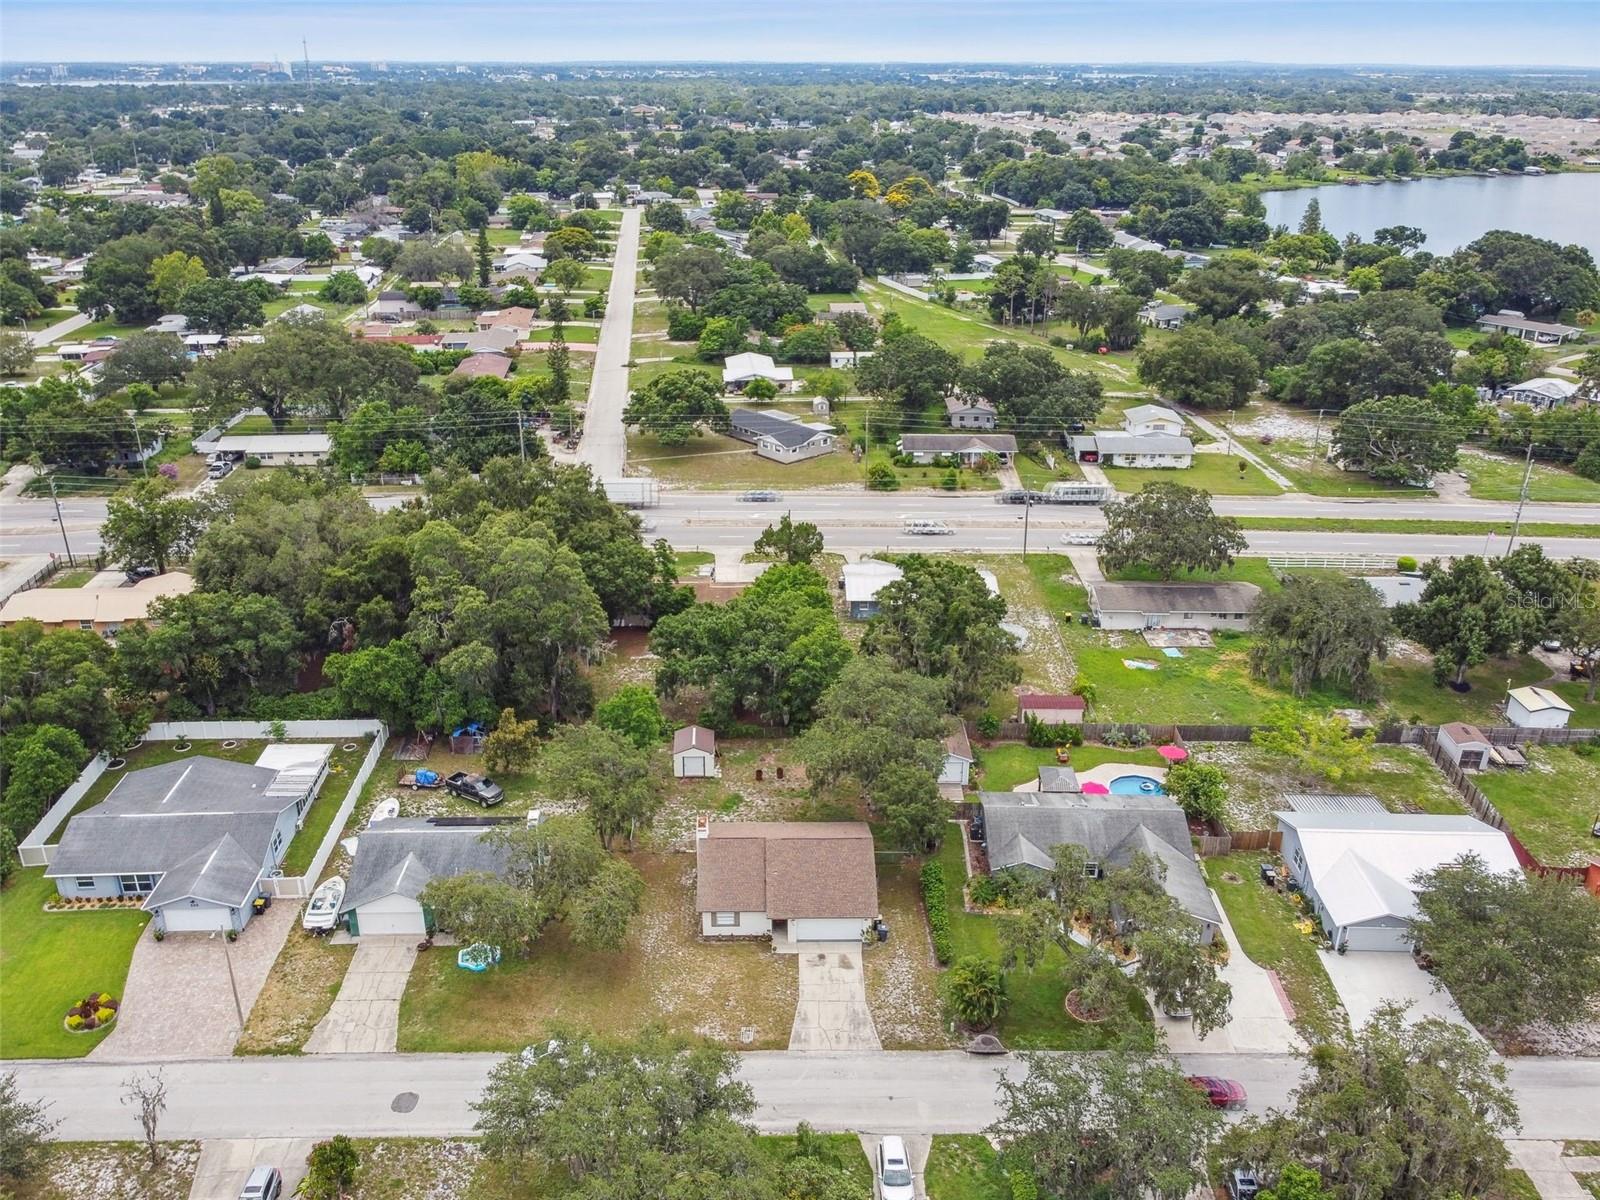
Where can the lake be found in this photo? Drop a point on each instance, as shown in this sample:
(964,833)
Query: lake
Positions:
(1452,212)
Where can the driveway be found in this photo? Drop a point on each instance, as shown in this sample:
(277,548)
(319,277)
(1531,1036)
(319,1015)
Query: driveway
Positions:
(918,1147)
(225,1164)
(832,1012)
(365,1016)
(1258,1017)
(1366,979)
(178,1002)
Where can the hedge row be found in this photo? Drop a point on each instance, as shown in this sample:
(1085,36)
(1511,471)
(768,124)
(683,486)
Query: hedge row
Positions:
(933,897)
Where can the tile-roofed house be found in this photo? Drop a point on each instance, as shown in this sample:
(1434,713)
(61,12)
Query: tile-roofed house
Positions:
(968,448)
(1357,869)
(694,753)
(780,436)
(1172,605)
(103,609)
(497,366)
(396,859)
(1021,829)
(193,837)
(799,881)
(1051,708)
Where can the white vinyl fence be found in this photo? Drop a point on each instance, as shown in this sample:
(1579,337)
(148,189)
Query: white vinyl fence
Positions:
(34,852)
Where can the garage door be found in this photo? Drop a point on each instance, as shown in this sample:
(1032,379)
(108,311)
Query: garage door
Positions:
(1375,937)
(184,918)
(370,923)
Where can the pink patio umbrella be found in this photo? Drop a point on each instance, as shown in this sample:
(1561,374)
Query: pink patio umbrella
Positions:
(1096,789)
(1172,753)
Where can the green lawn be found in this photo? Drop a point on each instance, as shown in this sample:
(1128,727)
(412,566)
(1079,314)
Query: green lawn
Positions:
(97,329)
(341,773)
(845,1147)
(50,961)
(1264,923)
(1037,476)
(1492,477)
(1218,474)
(1311,473)
(71,579)
(1532,529)
(1550,805)
(1243,570)
(687,562)
(964,1166)
(1409,690)
(714,461)
(1036,1017)
(1003,766)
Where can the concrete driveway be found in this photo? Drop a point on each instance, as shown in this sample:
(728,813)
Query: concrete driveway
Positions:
(918,1147)
(225,1164)
(1259,1017)
(178,1002)
(832,1012)
(365,1016)
(1365,979)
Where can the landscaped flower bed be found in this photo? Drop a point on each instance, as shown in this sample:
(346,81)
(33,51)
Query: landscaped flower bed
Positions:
(85,903)
(96,1011)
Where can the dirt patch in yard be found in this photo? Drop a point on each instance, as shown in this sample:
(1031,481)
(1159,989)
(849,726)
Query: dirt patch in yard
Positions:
(737,993)
(902,978)
(111,1171)
(303,983)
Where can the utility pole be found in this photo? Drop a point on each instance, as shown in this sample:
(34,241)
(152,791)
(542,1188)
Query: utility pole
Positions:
(1316,438)
(1522,499)
(1027,510)
(60,522)
(522,443)
(305,55)
(144,468)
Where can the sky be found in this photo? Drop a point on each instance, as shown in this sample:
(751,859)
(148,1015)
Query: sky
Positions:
(1418,32)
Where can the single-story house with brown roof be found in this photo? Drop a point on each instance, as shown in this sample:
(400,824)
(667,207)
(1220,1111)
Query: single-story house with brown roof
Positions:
(958,758)
(694,753)
(1050,708)
(105,610)
(497,365)
(797,881)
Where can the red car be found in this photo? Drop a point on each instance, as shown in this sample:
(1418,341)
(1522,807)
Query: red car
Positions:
(1223,1093)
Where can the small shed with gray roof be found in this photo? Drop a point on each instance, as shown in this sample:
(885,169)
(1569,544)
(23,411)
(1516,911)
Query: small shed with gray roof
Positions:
(396,859)
(1021,829)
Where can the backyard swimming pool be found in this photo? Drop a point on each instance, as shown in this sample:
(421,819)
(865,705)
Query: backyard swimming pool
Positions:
(1136,785)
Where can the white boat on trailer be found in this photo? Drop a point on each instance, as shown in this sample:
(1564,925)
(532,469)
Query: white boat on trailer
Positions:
(323,912)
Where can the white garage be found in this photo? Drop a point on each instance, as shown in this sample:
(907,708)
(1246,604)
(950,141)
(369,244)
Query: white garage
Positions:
(396,859)
(195,916)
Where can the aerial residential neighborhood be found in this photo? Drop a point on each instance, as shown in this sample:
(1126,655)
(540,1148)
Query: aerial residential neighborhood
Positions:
(825,604)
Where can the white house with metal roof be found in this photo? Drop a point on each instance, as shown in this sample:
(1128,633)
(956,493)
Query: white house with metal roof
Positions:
(277,449)
(1357,869)
(740,369)
(1543,392)
(1537,708)
(862,582)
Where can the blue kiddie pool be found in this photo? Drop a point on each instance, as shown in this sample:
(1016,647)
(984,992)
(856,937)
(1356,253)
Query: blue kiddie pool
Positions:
(479,956)
(1136,785)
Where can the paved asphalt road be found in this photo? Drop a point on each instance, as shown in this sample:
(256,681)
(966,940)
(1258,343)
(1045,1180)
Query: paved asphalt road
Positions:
(604,446)
(945,1092)
(855,521)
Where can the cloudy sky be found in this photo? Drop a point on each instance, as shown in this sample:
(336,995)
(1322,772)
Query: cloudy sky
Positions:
(1444,32)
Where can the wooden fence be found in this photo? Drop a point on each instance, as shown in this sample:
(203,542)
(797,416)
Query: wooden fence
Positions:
(1092,731)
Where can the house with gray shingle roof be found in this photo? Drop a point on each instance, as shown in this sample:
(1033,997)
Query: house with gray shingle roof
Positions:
(396,859)
(1022,829)
(193,838)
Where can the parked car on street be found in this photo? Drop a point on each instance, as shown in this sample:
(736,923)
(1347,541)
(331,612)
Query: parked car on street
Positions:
(760,497)
(480,789)
(924,527)
(893,1170)
(1223,1093)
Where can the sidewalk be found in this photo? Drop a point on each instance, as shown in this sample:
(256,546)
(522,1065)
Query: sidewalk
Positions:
(1551,1173)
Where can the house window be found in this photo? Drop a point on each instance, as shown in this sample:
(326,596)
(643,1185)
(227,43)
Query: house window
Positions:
(1091,870)
(725,920)
(1299,859)
(136,885)
(85,624)
(84,882)
(277,843)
